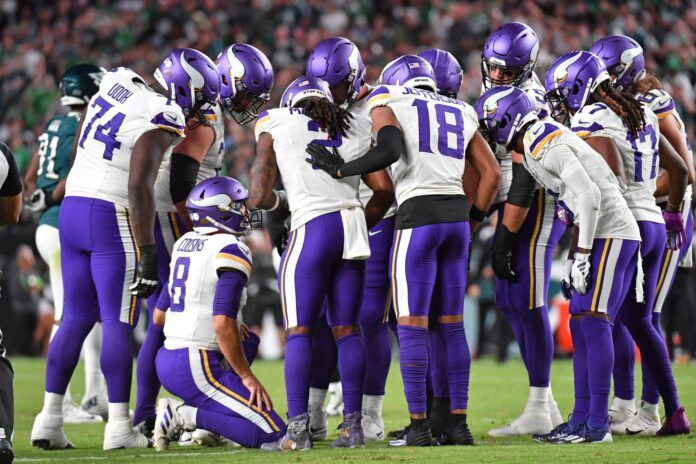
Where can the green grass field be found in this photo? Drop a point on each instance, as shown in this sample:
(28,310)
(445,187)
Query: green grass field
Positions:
(498,393)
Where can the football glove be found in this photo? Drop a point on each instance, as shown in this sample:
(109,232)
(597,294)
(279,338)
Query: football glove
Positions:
(321,158)
(501,253)
(676,236)
(580,273)
(146,273)
(566,286)
(40,200)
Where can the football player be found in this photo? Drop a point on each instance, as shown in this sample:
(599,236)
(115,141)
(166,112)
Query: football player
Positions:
(337,61)
(327,247)
(627,136)
(246,79)
(46,177)
(206,355)
(526,235)
(624,59)
(605,245)
(107,228)
(429,255)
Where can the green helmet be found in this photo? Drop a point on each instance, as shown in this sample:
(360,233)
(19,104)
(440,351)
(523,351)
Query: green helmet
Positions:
(79,83)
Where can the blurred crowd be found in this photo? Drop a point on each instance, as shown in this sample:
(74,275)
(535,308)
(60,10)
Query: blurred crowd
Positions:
(39,40)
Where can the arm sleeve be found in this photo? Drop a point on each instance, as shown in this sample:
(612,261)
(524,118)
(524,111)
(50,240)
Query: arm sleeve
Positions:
(10,182)
(522,187)
(565,164)
(228,293)
(386,152)
(164,301)
(182,177)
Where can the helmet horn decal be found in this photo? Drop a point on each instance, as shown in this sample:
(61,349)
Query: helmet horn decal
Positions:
(560,74)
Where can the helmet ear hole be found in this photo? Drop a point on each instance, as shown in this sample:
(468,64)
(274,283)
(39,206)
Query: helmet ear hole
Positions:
(576,89)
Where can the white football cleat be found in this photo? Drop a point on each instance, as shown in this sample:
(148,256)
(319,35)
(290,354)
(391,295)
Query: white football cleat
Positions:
(119,434)
(373,427)
(97,405)
(211,439)
(646,421)
(186,438)
(73,414)
(169,424)
(335,405)
(47,432)
(318,425)
(529,423)
(620,412)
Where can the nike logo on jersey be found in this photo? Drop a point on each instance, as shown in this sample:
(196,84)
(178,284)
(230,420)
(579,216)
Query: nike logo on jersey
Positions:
(372,233)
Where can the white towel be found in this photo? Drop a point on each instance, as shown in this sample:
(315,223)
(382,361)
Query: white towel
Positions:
(640,278)
(355,242)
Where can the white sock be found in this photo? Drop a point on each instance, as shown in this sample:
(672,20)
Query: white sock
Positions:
(372,405)
(53,404)
(188,414)
(551,400)
(652,409)
(317,396)
(93,374)
(538,396)
(118,412)
(623,405)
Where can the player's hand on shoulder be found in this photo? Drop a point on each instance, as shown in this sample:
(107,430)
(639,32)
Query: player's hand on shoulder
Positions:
(327,160)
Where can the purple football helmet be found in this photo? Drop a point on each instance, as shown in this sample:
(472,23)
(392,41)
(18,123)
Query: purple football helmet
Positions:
(448,72)
(502,112)
(191,79)
(623,58)
(336,61)
(218,204)
(302,88)
(571,79)
(246,80)
(409,71)
(513,47)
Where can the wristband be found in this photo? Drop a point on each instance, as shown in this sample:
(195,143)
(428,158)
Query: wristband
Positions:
(476,214)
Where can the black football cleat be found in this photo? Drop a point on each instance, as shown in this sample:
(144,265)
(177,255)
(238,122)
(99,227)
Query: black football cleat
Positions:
(417,434)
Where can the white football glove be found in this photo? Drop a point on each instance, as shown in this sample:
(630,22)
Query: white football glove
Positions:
(580,272)
(37,201)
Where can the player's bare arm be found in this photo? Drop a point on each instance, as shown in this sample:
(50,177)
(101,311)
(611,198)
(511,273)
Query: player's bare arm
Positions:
(264,175)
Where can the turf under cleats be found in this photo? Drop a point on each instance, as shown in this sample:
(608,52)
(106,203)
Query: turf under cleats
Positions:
(676,424)
(168,424)
(417,434)
(47,432)
(119,434)
(351,432)
(296,438)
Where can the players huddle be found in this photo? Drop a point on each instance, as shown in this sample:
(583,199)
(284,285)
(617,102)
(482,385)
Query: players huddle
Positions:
(383,187)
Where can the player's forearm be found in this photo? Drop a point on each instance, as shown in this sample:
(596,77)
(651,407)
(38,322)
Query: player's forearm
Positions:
(142,207)
(10,209)
(263,176)
(662,185)
(678,173)
(230,342)
(386,152)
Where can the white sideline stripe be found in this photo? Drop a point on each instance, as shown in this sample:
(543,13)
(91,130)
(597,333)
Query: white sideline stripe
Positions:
(149,456)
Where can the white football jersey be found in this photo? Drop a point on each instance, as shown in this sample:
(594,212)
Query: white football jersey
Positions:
(662,104)
(210,166)
(312,192)
(436,131)
(535,92)
(123,109)
(359,110)
(550,153)
(193,278)
(640,155)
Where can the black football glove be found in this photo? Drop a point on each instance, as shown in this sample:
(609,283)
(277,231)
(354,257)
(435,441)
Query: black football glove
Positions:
(322,158)
(146,273)
(501,253)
